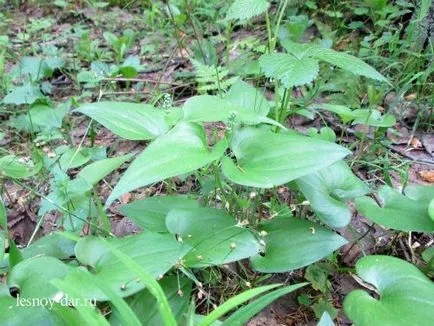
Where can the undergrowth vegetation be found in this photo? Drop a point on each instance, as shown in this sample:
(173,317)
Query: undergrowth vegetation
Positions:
(191,162)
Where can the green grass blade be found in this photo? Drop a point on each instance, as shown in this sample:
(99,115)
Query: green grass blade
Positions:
(234,302)
(241,316)
(150,283)
(87,312)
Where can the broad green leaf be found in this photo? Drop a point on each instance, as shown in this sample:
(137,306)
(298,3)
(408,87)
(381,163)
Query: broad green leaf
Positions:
(346,62)
(246,9)
(176,289)
(14,167)
(74,157)
(91,174)
(428,256)
(207,108)
(150,283)
(155,253)
(291,243)
(26,94)
(290,70)
(397,211)
(406,294)
(150,213)
(78,277)
(128,120)
(53,245)
(244,314)
(244,95)
(86,311)
(33,276)
(182,150)
(266,159)
(420,193)
(234,302)
(373,118)
(327,190)
(214,235)
(15,313)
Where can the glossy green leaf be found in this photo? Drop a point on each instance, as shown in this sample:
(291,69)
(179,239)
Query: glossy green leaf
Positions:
(177,291)
(406,294)
(291,243)
(397,211)
(214,235)
(53,244)
(327,190)
(91,174)
(244,314)
(155,253)
(150,283)
(266,159)
(128,120)
(86,311)
(243,106)
(246,9)
(78,277)
(420,193)
(150,213)
(20,314)
(33,276)
(182,150)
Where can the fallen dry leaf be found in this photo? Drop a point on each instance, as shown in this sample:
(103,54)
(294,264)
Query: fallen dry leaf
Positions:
(411,97)
(415,143)
(427,175)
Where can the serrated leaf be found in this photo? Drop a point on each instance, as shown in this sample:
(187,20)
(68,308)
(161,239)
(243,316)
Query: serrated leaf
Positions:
(291,243)
(327,190)
(266,159)
(246,9)
(406,294)
(346,62)
(182,150)
(398,212)
(290,70)
(128,120)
